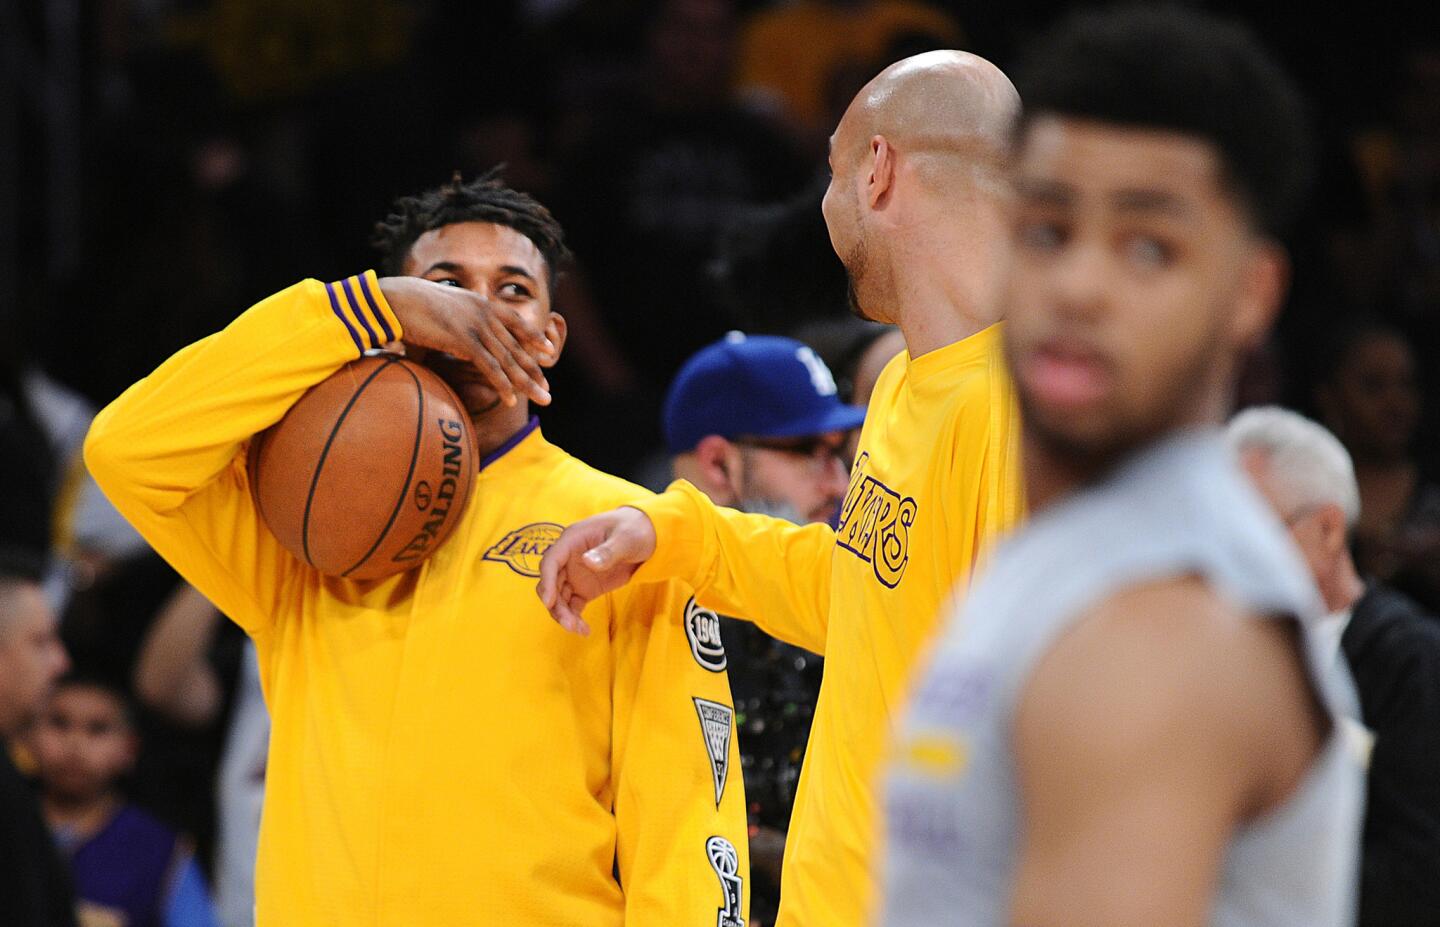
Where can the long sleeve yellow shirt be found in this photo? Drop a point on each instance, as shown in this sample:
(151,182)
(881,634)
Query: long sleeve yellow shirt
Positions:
(442,753)
(936,482)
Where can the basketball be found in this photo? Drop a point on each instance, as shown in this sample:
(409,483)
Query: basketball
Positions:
(369,472)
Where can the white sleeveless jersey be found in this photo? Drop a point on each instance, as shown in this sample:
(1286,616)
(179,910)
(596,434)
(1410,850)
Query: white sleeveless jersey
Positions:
(953,816)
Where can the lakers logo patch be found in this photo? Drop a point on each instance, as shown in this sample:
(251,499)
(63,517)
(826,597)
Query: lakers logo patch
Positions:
(522,548)
(715,726)
(875,523)
(702,630)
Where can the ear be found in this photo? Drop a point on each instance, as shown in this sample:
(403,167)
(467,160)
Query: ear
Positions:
(881,180)
(1334,533)
(556,330)
(1262,290)
(717,462)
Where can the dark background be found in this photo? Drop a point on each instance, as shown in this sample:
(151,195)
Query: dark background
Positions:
(166,164)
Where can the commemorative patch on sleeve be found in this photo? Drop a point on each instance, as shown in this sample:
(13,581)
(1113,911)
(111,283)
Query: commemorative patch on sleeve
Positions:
(716,723)
(702,629)
(726,863)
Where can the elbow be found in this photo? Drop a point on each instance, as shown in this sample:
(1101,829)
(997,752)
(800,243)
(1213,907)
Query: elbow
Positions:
(102,451)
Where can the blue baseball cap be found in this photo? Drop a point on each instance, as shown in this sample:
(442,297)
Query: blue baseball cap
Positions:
(760,386)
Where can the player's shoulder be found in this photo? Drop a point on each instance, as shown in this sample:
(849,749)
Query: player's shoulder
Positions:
(962,372)
(1180,619)
(1178,639)
(575,478)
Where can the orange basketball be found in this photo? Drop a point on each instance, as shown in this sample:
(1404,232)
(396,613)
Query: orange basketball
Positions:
(369,472)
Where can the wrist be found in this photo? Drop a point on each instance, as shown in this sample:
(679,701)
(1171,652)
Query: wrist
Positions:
(360,305)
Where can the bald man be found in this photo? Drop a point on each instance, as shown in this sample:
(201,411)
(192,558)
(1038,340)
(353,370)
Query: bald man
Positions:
(915,212)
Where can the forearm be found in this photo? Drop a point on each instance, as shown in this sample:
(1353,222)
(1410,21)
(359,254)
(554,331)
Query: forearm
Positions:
(171,674)
(762,569)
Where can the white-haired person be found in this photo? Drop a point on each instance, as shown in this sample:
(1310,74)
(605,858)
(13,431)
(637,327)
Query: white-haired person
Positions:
(1391,646)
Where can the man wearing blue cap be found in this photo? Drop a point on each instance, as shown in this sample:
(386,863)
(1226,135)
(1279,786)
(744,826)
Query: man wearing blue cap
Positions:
(756,423)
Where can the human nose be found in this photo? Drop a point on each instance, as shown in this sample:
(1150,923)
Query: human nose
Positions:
(834,474)
(60,660)
(1077,283)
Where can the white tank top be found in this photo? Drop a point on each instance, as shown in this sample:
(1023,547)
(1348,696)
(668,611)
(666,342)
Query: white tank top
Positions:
(953,817)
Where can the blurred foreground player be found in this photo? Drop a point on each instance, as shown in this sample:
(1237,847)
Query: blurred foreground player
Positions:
(431,761)
(1131,721)
(756,423)
(915,210)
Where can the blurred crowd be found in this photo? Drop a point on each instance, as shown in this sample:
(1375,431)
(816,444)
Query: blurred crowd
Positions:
(165,164)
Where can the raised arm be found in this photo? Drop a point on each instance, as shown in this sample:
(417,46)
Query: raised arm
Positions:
(166,452)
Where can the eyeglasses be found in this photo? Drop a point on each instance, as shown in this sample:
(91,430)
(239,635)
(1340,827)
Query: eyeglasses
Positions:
(820,452)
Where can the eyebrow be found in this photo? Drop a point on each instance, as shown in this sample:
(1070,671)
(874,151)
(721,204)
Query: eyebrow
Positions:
(1149,200)
(1142,200)
(454,268)
(1045,191)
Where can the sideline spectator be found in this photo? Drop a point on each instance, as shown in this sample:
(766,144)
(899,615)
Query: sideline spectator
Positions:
(1370,398)
(175,676)
(35,890)
(129,869)
(755,423)
(1392,648)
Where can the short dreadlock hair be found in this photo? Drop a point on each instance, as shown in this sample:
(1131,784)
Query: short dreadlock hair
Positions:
(1179,70)
(484,199)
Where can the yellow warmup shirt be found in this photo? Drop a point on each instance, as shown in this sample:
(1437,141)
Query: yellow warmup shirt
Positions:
(442,753)
(936,481)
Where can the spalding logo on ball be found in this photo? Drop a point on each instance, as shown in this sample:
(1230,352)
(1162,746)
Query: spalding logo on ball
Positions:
(369,472)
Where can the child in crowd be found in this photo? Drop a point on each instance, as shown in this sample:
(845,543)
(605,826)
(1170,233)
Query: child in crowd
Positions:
(129,869)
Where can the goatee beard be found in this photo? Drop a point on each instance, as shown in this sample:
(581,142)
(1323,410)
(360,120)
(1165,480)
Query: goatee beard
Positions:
(754,505)
(852,297)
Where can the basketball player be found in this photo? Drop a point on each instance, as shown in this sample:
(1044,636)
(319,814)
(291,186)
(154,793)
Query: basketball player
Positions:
(915,211)
(431,762)
(1130,723)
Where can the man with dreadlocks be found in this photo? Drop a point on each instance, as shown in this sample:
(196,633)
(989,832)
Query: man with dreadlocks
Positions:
(432,761)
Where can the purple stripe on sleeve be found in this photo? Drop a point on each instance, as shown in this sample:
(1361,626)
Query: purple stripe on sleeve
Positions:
(375,309)
(335,307)
(359,313)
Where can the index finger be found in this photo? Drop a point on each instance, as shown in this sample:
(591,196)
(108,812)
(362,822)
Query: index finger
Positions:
(556,560)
